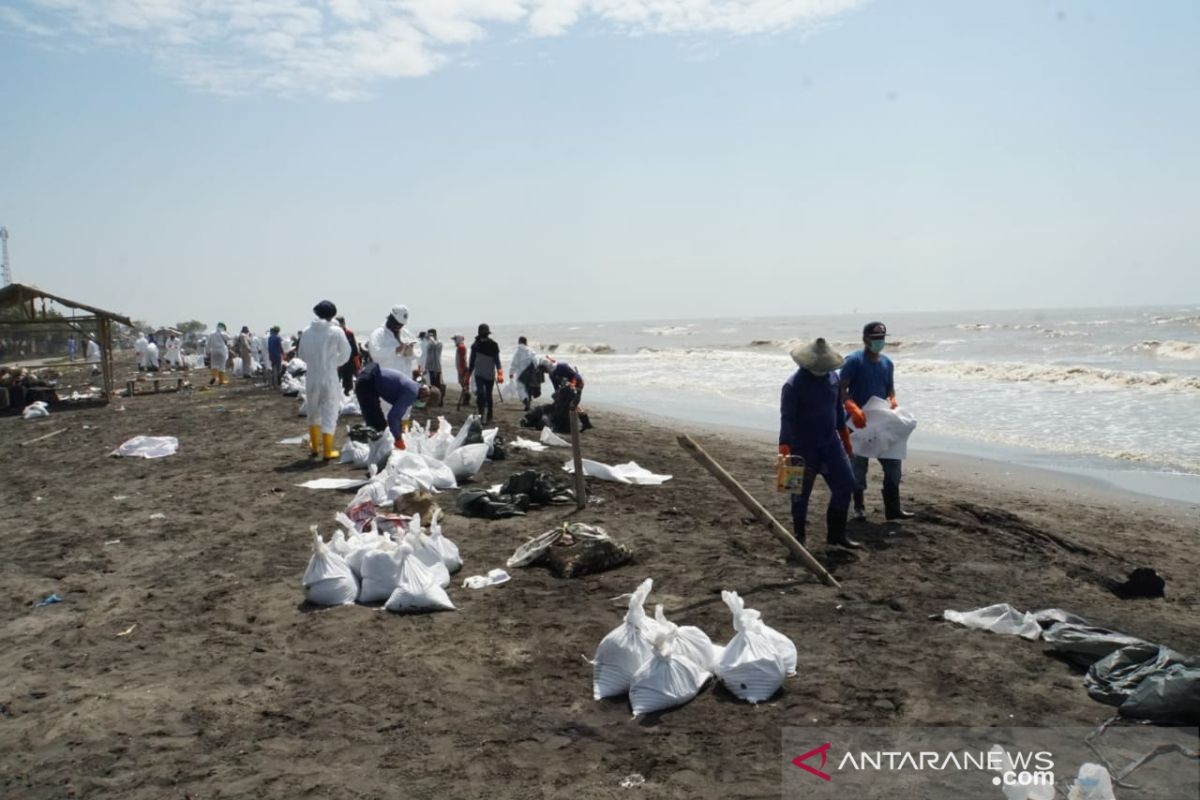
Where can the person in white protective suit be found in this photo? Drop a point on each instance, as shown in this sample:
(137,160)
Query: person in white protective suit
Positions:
(150,355)
(523,357)
(393,346)
(217,349)
(93,353)
(139,351)
(323,348)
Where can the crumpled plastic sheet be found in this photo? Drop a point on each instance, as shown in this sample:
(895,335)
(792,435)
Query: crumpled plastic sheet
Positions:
(148,447)
(1000,618)
(621,473)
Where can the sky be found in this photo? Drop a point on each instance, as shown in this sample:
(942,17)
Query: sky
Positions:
(582,160)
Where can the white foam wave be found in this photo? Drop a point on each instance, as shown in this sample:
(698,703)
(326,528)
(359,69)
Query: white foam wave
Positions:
(1169,349)
(1193,321)
(669,330)
(1017,372)
(595,349)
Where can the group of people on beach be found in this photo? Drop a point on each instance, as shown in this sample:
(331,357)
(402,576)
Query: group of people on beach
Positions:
(819,403)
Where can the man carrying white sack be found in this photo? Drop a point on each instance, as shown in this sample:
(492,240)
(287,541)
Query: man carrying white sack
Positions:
(869,373)
(323,348)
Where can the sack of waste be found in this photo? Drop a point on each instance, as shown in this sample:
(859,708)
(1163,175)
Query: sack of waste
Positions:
(690,642)
(417,587)
(328,580)
(465,461)
(424,551)
(625,649)
(380,572)
(296,367)
(446,548)
(36,410)
(541,488)
(758,658)
(1000,618)
(483,504)
(1148,681)
(667,679)
(573,549)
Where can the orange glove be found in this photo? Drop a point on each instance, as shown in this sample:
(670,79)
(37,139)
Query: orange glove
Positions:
(892,400)
(499,375)
(785,450)
(400,445)
(856,414)
(845,434)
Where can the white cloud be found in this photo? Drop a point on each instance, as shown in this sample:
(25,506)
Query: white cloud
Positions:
(340,48)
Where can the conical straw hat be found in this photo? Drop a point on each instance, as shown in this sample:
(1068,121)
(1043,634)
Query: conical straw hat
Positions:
(816,356)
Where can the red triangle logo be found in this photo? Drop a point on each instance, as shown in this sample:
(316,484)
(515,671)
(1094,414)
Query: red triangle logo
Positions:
(823,751)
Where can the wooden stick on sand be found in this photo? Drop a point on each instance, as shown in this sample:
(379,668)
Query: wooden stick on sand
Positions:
(577,454)
(47,436)
(756,508)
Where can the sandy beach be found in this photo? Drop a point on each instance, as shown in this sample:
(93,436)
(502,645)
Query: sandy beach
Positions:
(184,663)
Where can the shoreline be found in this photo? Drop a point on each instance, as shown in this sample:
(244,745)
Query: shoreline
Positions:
(1084,484)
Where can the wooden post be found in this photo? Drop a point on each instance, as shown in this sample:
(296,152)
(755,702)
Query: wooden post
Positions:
(47,436)
(756,508)
(577,455)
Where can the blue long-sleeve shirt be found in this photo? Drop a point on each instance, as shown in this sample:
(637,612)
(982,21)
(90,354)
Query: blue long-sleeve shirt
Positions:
(275,347)
(565,373)
(811,412)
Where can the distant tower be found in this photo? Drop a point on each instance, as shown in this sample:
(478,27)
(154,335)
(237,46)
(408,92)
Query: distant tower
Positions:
(5,271)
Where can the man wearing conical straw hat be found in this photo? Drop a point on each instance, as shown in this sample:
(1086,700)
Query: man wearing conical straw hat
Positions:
(812,432)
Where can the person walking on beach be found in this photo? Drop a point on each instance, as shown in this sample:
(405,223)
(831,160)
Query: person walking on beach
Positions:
(460,366)
(93,353)
(217,349)
(352,367)
(433,364)
(484,365)
(813,434)
(275,356)
(377,385)
(244,352)
(868,373)
(524,373)
(323,348)
(139,351)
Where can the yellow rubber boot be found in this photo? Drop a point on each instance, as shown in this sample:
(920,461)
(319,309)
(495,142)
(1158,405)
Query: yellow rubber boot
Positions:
(222,378)
(314,439)
(212,377)
(330,453)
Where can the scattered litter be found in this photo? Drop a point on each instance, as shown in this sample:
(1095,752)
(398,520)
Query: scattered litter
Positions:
(1091,783)
(494,577)
(1142,582)
(128,630)
(148,447)
(1000,618)
(528,444)
(632,781)
(112,541)
(293,440)
(36,410)
(552,439)
(38,499)
(48,601)
(571,550)
(539,487)
(478,503)
(621,473)
(158,516)
(332,483)
(120,497)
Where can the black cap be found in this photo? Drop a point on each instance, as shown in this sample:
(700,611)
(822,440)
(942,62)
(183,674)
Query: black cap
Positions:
(874,330)
(484,330)
(325,310)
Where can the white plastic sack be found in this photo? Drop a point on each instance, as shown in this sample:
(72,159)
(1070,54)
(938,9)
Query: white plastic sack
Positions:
(416,587)
(460,438)
(667,680)
(380,574)
(446,548)
(495,577)
(690,642)
(625,649)
(887,431)
(1000,618)
(355,453)
(405,468)
(328,581)
(552,439)
(350,407)
(758,658)
(467,460)
(296,367)
(148,447)
(526,444)
(621,473)
(290,385)
(439,443)
(424,551)
(36,410)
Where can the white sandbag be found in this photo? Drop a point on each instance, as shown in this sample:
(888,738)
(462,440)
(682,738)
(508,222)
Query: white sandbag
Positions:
(527,444)
(690,641)
(625,649)
(328,580)
(237,367)
(338,543)
(290,385)
(349,407)
(448,549)
(416,587)
(887,431)
(758,658)
(380,575)
(296,367)
(405,468)
(467,460)
(355,453)
(1000,618)
(36,410)
(552,439)
(667,680)
(460,438)
(621,473)
(426,552)
(439,443)
(147,447)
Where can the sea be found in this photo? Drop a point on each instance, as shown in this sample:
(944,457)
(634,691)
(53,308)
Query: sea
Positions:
(1112,394)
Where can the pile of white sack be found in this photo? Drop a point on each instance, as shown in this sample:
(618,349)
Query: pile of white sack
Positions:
(349,407)
(429,462)
(407,569)
(661,665)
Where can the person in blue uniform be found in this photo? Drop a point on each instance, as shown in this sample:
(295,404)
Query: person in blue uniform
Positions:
(563,376)
(376,383)
(812,427)
(869,373)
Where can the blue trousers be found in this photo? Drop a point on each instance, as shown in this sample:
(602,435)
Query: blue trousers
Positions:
(891,472)
(831,463)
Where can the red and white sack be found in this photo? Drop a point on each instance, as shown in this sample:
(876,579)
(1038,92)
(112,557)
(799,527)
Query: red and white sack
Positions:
(625,649)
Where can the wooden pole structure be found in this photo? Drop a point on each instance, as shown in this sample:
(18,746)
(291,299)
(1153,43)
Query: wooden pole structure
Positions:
(760,513)
(577,455)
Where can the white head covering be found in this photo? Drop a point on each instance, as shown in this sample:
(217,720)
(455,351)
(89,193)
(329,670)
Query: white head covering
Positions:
(400,314)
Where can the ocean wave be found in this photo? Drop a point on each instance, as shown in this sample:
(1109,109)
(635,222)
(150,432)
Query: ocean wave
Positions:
(841,347)
(669,330)
(1017,372)
(1057,334)
(596,349)
(1169,349)
(1193,321)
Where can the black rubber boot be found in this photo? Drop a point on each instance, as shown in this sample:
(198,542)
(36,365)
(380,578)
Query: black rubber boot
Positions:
(860,509)
(798,532)
(836,536)
(891,505)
